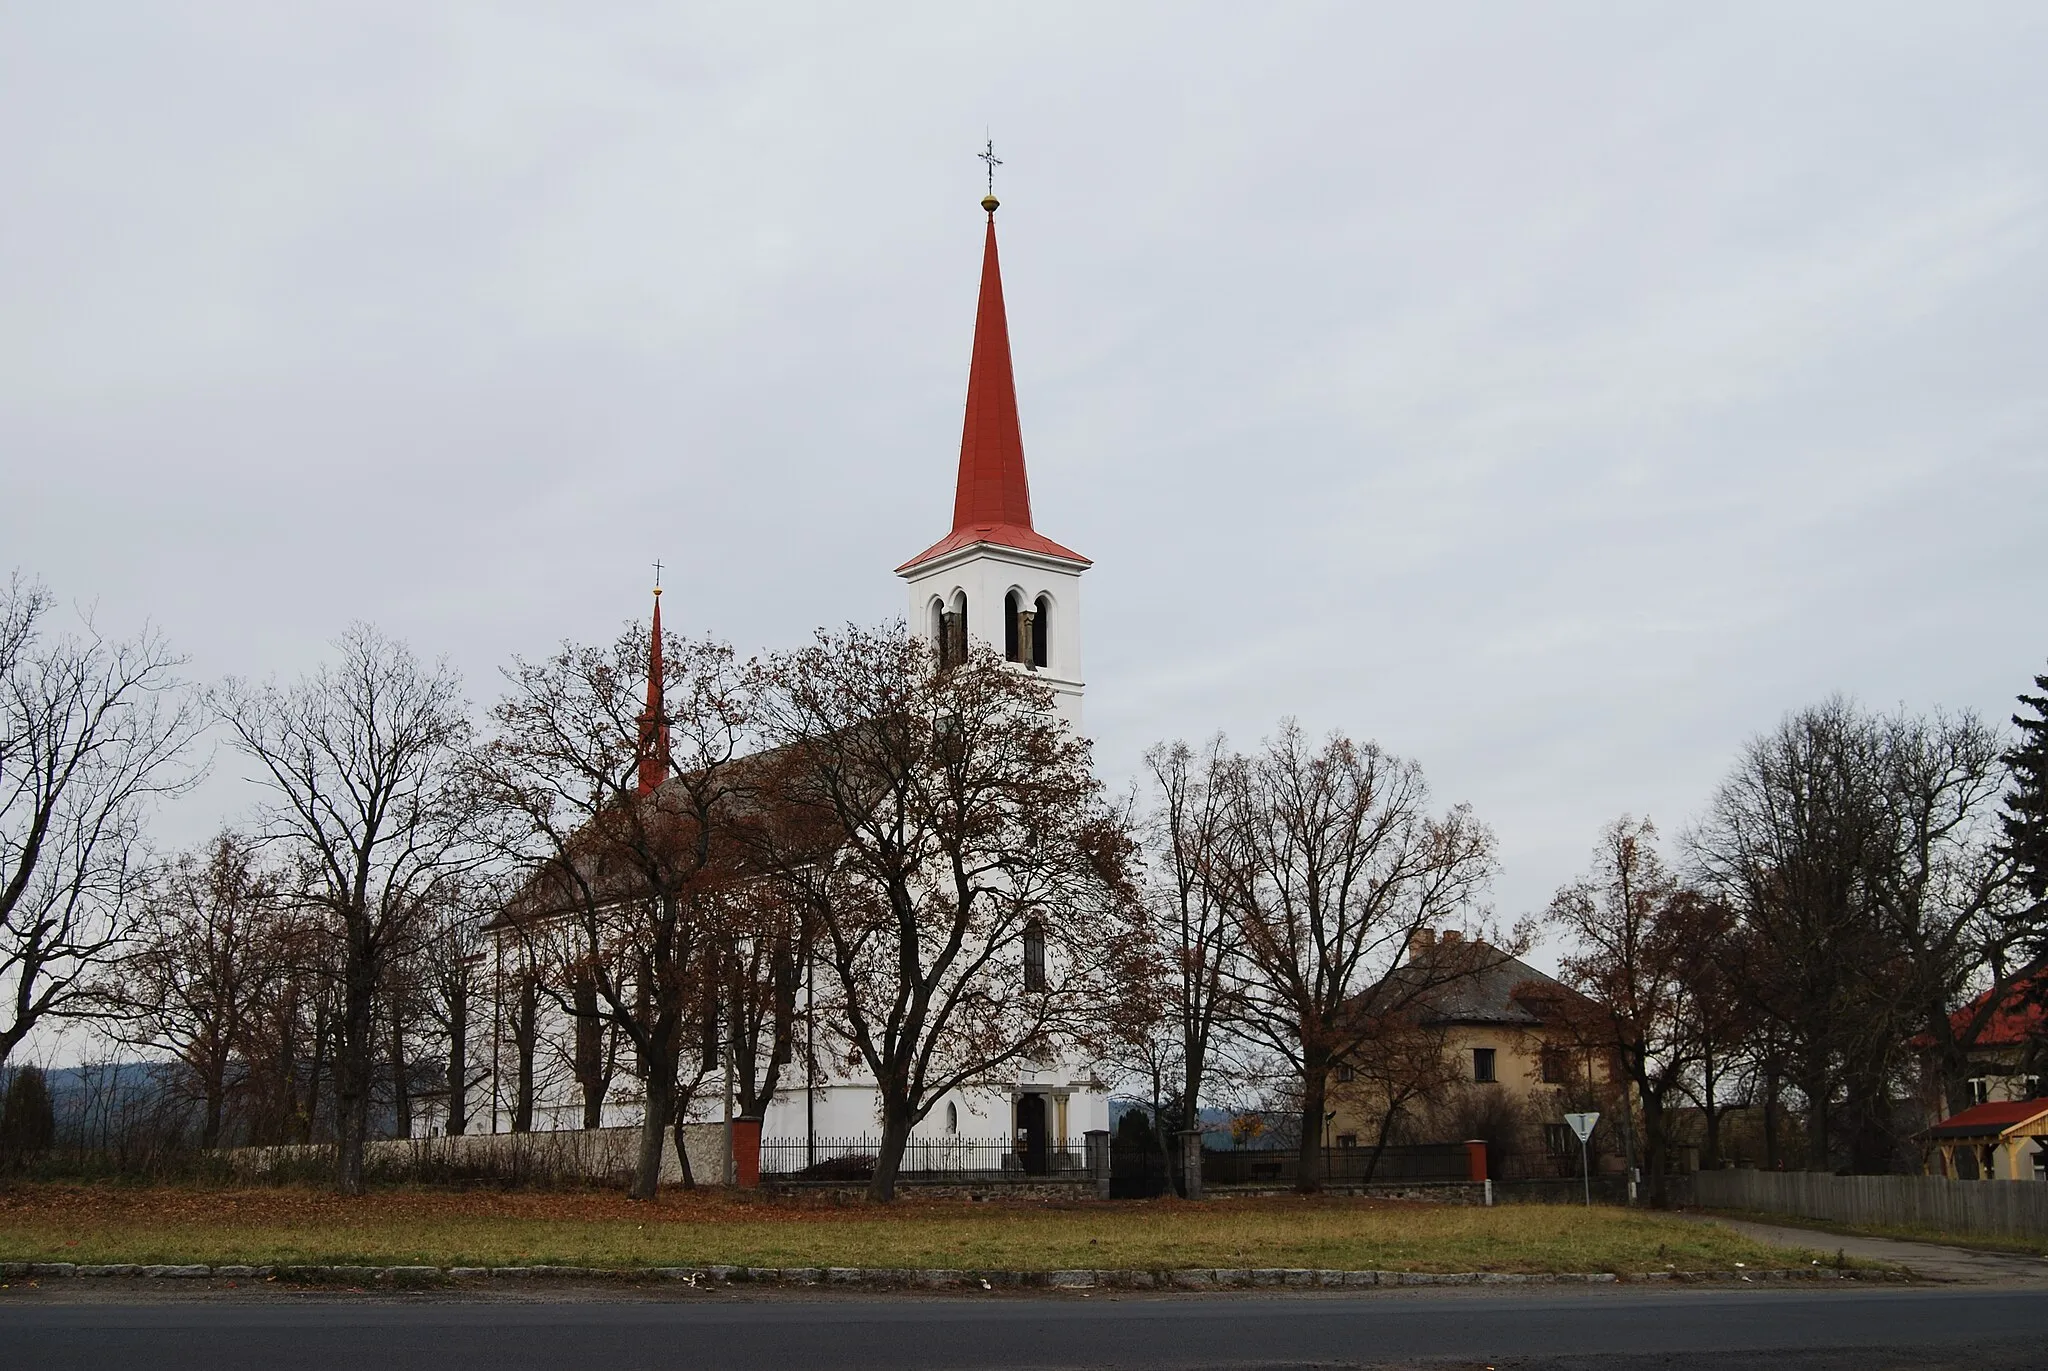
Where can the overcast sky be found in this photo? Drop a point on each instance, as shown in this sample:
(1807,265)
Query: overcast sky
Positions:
(1556,395)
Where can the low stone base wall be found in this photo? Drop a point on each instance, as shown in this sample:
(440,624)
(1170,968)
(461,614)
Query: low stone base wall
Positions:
(1546,1190)
(605,1155)
(1425,1192)
(1034,1189)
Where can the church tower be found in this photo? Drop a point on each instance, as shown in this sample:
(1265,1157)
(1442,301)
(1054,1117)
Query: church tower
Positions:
(994,579)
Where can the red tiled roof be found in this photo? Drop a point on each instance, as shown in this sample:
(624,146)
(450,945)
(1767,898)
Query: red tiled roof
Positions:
(992,502)
(1989,1120)
(2019,1017)
(1001,535)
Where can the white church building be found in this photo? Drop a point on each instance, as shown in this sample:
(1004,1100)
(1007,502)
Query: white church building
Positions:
(993,580)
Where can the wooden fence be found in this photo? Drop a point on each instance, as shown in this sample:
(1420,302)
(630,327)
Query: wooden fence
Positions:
(1992,1208)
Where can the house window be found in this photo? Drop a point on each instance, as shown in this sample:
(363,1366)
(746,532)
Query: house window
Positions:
(2032,1086)
(1347,1140)
(1347,1074)
(1034,956)
(1980,1089)
(1559,1140)
(1557,1066)
(1482,1064)
(952,1117)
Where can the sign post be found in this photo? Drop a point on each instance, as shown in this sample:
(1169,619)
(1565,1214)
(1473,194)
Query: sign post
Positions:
(1582,1125)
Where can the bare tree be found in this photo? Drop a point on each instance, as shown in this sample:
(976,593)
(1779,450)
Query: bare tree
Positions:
(92,732)
(361,763)
(1639,939)
(970,887)
(1199,938)
(454,951)
(621,803)
(1860,855)
(1331,867)
(197,968)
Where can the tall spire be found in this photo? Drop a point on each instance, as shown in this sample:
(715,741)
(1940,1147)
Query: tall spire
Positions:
(653,721)
(992,499)
(993,488)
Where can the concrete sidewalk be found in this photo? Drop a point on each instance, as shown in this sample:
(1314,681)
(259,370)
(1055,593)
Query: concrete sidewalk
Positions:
(1963,1265)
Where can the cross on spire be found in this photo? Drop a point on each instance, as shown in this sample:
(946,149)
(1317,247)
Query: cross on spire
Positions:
(988,155)
(657,575)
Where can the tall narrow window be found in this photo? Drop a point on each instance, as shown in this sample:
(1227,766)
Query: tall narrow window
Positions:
(1034,956)
(941,638)
(1041,631)
(952,1117)
(1012,606)
(1482,1064)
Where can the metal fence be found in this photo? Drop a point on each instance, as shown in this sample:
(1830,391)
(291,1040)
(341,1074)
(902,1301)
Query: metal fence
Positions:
(2004,1208)
(1417,1163)
(947,1157)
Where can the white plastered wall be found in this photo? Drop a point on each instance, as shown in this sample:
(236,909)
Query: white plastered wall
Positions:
(985,574)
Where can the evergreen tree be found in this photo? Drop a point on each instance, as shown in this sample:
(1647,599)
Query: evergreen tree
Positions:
(2026,804)
(29,1124)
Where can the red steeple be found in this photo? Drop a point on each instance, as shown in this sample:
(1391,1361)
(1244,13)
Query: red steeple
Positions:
(992,502)
(653,722)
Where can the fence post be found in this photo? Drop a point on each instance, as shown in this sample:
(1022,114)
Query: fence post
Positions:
(1191,1163)
(746,1151)
(1096,1142)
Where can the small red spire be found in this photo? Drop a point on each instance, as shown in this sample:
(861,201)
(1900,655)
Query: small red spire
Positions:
(653,722)
(992,502)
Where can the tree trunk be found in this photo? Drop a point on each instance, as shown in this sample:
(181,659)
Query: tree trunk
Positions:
(896,1126)
(1654,1147)
(1814,1082)
(1315,1086)
(458,1062)
(401,1084)
(661,1096)
(1772,1154)
(590,1072)
(524,1032)
(354,1053)
(209,1128)
(323,1035)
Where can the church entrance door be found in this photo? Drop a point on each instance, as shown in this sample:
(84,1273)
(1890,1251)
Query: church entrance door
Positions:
(1031,1125)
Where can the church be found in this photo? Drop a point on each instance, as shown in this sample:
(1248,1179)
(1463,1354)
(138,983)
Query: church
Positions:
(996,581)
(992,581)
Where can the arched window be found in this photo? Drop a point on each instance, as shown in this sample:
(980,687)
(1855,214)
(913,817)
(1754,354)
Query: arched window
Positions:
(1041,632)
(1013,605)
(1034,955)
(949,629)
(952,1117)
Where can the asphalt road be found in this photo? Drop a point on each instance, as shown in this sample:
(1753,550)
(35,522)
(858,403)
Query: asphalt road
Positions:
(1697,1330)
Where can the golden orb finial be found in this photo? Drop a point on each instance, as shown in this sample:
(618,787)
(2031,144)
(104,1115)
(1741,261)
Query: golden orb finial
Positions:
(989,203)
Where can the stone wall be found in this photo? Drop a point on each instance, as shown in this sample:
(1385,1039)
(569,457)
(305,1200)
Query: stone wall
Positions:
(605,1155)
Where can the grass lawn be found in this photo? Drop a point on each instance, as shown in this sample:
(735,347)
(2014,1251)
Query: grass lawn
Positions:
(116,1223)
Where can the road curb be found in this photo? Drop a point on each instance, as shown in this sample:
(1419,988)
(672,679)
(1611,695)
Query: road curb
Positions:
(883,1278)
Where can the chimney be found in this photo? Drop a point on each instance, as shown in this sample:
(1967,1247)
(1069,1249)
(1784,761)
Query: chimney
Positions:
(1423,940)
(1452,935)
